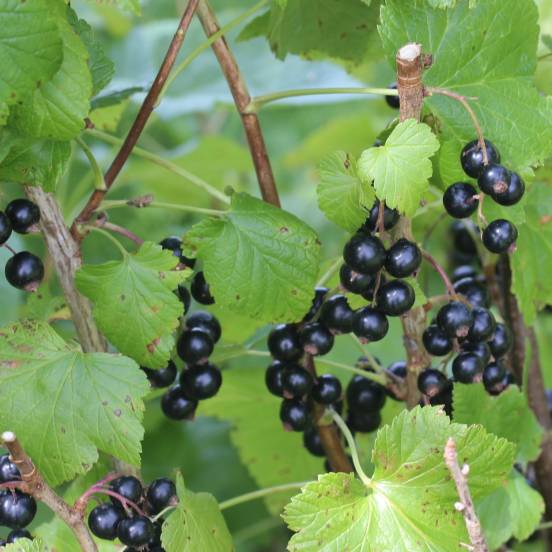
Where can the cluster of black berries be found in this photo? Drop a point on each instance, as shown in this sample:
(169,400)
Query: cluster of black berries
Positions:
(23,270)
(118,519)
(17,509)
(502,185)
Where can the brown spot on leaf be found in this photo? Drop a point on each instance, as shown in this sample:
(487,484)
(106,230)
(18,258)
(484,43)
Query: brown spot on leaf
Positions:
(284,230)
(117,412)
(153,345)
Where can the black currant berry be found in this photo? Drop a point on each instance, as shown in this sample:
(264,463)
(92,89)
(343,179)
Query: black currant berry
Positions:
(463,240)
(312,442)
(337,315)
(471,157)
(499,236)
(494,180)
(161,493)
(176,405)
(501,341)
(273,378)
(163,377)
(467,367)
(390,218)
(205,321)
(455,319)
(294,414)
(18,534)
(24,271)
(201,381)
(23,215)
(283,343)
(364,254)
(128,487)
(364,422)
(393,101)
(483,326)
(17,509)
(174,244)
(8,470)
(296,381)
(355,282)
(515,191)
(481,349)
(431,382)
(317,302)
(463,271)
(316,339)
(104,519)
(327,389)
(200,289)
(136,531)
(184,295)
(436,341)
(370,324)
(194,346)
(493,377)
(5,228)
(403,258)
(365,395)
(459,200)
(395,297)
(475,294)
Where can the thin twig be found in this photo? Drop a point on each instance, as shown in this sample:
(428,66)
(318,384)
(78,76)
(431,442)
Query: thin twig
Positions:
(441,271)
(260,493)
(9,248)
(120,230)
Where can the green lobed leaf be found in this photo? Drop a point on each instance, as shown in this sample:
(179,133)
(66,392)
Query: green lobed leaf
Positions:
(401,168)
(26,545)
(259,260)
(134,303)
(84,401)
(410,504)
(196,524)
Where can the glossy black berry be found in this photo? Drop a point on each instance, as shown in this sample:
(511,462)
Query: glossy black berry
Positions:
(515,191)
(501,341)
(431,382)
(24,271)
(312,442)
(163,377)
(200,290)
(494,179)
(493,377)
(499,236)
(8,470)
(136,531)
(327,389)
(395,297)
(483,325)
(18,534)
(185,297)
(316,339)
(364,422)
(294,414)
(364,253)
(317,302)
(436,341)
(17,509)
(174,244)
(471,157)
(283,343)
(463,240)
(455,319)
(370,324)
(104,519)
(481,349)
(365,395)
(475,293)
(205,321)
(390,218)
(273,378)
(23,215)
(337,315)
(128,487)
(161,493)
(296,381)
(5,228)
(355,282)
(393,101)
(459,200)
(201,381)
(467,367)
(403,258)
(464,271)
(176,405)
(194,346)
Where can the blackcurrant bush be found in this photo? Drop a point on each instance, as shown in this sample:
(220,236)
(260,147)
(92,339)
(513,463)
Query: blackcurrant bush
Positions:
(200,289)
(494,377)
(499,236)
(8,470)
(327,389)
(364,422)
(176,405)
(436,341)
(194,346)
(294,414)
(312,442)
(370,324)
(395,297)
(459,200)
(205,321)
(364,254)
(455,319)
(283,343)
(390,218)
(483,326)
(316,339)
(337,315)
(494,179)
(501,340)
(355,282)
(184,295)
(403,258)
(24,271)
(5,228)
(365,395)
(481,349)
(104,519)
(515,191)
(431,382)
(163,377)
(475,294)
(464,271)
(23,215)
(463,240)
(296,381)
(471,157)
(317,302)
(128,487)
(467,367)
(18,534)
(273,378)
(161,493)
(393,101)
(136,531)
(17,509)
(201,381)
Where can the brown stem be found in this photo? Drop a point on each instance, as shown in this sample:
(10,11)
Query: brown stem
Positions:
(121,230)
(36,486)
(441,271)
(144,113)
(241,96)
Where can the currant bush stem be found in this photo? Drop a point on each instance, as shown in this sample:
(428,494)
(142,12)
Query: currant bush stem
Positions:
(9,248)
(113,240)
(334,267)
(121,231)
(371,360)
(116,203)
(260,493)
(99,182)
(364,373)
(441,271)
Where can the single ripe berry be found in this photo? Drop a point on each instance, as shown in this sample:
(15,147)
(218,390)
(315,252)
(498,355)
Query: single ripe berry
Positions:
(355,282)
(431,382)
(23,215)
(370,324)
(475,293)
(395,297)
(273,378)
(18,534)
(327,389)
(312,442)
(17,509)
(471,157)
(364,254)
(5,228)
(459,200)
(515,191)
(296,381)
(200,289)
(494,179)
(463,271)
(364,422)
(184,295)
(8,470)
(104,519)
(390,218)
(283,343)
(481,349)
(493,377)
(483,326)
(201,381)
(161,493)
(501,341)
(194,346)
(205,321)
(393,101)
(365,395)
(436,341)
(403,258)
(317,302)
(467,367)
(455,319)
(337,315)
(24,271)
(136,531)
(128,487)
(499,236)
(176,405)
(316,339)
(163,377)
(294,414)
(463,240)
